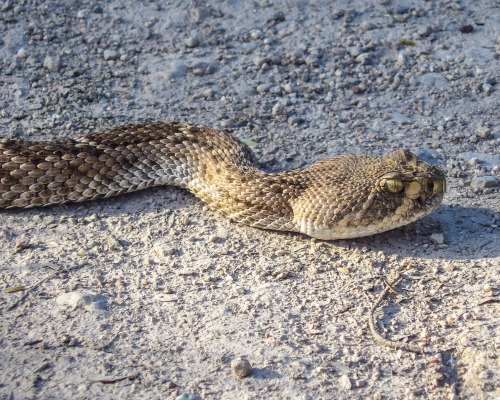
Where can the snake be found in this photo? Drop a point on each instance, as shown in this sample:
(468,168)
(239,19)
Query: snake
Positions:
(346,196)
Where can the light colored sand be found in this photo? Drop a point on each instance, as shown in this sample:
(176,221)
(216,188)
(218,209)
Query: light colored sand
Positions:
(152,296)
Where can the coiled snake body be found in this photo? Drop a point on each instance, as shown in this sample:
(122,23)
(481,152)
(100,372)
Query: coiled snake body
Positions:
(343,197)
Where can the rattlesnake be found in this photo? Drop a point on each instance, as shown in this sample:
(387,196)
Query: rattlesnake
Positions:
(343,197)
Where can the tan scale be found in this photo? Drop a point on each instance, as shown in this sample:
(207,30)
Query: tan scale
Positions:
(344,197)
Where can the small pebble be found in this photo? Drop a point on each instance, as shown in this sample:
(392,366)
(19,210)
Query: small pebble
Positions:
(487,288)
(241,367)
(185,271)
(193,41)
(483,132)
(345,382)
(110,55)
(437,238)
(53,64)
(466,29)
(279,109)
(256,33)
(263,88)
(21,54)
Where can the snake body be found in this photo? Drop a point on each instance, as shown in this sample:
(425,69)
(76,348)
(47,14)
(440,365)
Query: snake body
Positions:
(343,197)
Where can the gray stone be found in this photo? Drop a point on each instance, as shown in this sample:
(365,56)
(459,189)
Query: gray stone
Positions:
(483,182)
(202,68)
(263,88)
(241,367)
(279,109)
(437,238)
(364,59)
(193,40)
(110,55)
(22,54)
(483,132)
(345,382)
(51,63)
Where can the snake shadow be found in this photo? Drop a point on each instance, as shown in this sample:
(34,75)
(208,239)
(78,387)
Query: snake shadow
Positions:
(468,232)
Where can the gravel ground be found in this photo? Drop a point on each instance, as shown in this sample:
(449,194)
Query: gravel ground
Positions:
(153,296)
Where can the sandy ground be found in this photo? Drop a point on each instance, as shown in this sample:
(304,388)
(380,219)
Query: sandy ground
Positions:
(153,296)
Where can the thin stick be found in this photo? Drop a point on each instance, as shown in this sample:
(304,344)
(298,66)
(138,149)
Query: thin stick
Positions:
(371,322)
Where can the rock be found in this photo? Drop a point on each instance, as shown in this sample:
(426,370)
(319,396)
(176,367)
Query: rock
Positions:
(483,132)
(345,382)
(295,120)
(111,244)
(241,367)
(260,61)
(81,14)
(279,109)
(483,182)
(53,64)
(193,41)
(364,59)
(92,302)
(110,55)
(256,34)
(185,271)
(437,238)
(22,53)
(288,87)
(263,88)
(202,68)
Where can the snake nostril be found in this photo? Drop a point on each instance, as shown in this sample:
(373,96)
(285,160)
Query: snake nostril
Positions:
(429,185)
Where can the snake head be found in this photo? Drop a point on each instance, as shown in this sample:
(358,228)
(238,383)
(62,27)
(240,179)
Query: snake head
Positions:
(363,195)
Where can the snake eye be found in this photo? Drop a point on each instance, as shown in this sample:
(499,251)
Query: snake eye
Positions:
(429,185)
(394,185)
